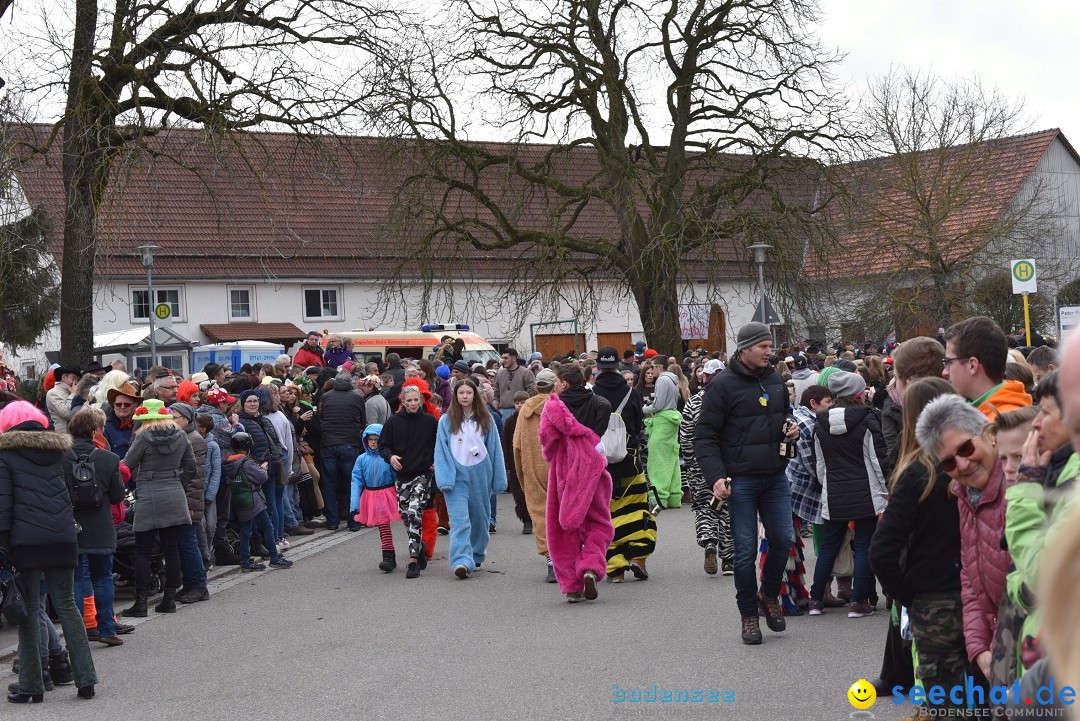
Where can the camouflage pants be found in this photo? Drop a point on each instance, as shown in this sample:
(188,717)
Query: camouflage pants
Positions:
(937,624)
(1003,661)
(413,496)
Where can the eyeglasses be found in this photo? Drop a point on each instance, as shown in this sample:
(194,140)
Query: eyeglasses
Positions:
(946,362)
(963,451)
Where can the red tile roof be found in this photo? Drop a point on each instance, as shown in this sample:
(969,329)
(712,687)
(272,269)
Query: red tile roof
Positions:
(228,332)
(278,205)
(965,190)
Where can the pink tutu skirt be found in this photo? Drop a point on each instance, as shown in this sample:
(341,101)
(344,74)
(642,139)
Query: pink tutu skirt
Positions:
(378,507)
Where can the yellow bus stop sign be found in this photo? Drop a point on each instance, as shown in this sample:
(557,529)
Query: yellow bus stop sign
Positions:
(163,311)
(1024,276)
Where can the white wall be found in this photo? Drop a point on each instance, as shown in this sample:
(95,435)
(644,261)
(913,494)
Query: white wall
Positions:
(362,306)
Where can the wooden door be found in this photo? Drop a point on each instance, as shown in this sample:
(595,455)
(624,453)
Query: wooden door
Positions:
(619,341)
(550,344)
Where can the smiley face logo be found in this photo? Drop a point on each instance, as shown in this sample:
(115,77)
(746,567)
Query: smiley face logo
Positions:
(862,694)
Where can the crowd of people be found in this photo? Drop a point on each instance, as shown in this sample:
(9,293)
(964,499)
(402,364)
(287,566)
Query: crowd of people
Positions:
(938,470)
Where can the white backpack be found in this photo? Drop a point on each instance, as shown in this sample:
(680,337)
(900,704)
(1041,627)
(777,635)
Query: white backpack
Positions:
(615,437)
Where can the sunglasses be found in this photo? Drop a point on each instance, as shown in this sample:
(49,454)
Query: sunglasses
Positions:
(123,405)
(963,451)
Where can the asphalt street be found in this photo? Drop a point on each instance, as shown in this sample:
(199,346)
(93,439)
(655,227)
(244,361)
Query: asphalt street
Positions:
(334,637)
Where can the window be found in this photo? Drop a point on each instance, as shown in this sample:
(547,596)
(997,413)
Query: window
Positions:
(172,362)
(322,304)
(242,302)
(140,302)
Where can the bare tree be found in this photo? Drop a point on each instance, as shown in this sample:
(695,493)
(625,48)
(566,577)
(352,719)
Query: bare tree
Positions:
(944,198)
(674,134)
(128,70)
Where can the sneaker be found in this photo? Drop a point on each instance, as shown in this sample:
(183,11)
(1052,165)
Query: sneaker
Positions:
(123,628)
(299,531)
(283,545)
(251,566)
(491,528)
(655,509)
(575,597)
(774,612)
(280,562)
(616,577)
(550,573)
(816,607)
(710,560)
(590,585)
(413,571)
(444,531)
(111,640)
(319,522)
(751,631)
(461,572)
(859,610)
(727,568)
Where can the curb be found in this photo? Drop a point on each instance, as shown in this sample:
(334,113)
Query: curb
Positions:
(225,577)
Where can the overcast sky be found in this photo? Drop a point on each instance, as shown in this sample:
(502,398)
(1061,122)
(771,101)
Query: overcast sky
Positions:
(1028,48)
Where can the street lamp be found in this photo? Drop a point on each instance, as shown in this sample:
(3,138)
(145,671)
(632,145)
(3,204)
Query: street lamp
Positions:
(759,258)
(147,251)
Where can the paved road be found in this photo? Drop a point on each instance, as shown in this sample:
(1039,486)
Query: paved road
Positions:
(334,637)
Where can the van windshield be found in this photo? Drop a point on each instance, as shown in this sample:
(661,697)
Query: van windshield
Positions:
(479,356)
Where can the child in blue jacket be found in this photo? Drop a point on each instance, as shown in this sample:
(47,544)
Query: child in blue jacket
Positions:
(374,494)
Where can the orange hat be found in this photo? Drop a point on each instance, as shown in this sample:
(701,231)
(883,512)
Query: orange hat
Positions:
(185,389)
(650,353)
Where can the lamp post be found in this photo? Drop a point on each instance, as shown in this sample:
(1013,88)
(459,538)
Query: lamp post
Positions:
(147,251)
(759,258)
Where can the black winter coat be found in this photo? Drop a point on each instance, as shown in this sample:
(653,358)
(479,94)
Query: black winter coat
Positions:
(589,409)
(342,416)
(612,388)
(411,436)
(98,530)
(736,435)
(928,533)
(265,444)
(851,463)
(37,522)
(892,427)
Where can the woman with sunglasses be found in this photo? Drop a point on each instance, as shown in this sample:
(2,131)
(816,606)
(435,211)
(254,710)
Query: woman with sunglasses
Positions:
(954,433)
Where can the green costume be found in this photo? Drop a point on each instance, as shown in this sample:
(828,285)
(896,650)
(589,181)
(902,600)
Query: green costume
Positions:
(664,472)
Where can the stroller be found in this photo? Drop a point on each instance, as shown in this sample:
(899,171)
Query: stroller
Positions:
(124,560)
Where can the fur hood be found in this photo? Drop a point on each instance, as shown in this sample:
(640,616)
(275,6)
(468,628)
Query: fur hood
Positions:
(38,440)
(535,405)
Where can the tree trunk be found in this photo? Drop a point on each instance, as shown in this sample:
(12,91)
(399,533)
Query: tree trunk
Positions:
(84,144)
(658,307)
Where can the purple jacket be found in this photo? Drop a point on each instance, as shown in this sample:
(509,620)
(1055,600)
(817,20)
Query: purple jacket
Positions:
(334,358)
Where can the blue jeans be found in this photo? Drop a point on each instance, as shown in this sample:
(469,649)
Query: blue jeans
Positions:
(61,583)
(274,501)
(337,464)
(293,514)
(770,498)
(95,570)
(833,534)
(494,507)
(262,524)
(191,563)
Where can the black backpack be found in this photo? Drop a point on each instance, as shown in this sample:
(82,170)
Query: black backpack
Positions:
(83,484)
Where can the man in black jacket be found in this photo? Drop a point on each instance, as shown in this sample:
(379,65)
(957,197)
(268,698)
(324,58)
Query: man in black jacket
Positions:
(742,424)
(342,420)
(635,527)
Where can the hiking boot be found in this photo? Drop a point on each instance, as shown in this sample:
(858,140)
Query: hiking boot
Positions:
(280,562)
(816,607)
(60,670)
(727,567)
(575,597)
(843,588)
(413,571)
(123,628)
(168,601)
(774,612)
(832,601)
(526,528)
(710,560)
(590,584)
(637,568)
(550,573)
(389,561)
(194,596)
(859,610)
(751,631)
(249,566)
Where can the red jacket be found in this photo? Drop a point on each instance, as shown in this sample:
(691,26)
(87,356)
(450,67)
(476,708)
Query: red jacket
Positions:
(984,563)
(307,358)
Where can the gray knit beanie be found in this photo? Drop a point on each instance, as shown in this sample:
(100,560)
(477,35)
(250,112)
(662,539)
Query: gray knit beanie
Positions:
(846,385)
(753,333)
